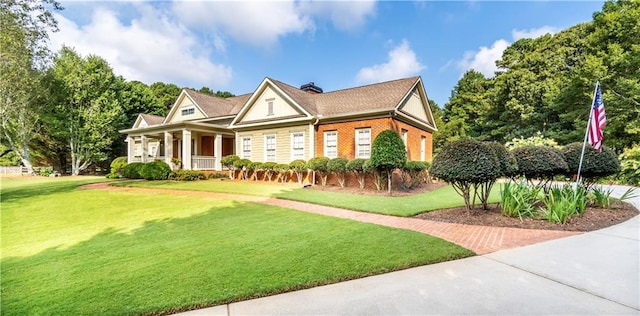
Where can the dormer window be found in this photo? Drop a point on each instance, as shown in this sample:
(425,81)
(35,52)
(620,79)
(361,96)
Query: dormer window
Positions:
(188,111)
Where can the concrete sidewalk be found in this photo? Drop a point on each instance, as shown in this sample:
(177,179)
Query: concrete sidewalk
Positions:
(596,273)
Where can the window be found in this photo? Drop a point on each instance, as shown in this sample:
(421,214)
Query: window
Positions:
(188,111)
(331,144)
(246,147)
(270,108)
(269,148)
(297,145)
(423,147)
(363,143)
(404,133)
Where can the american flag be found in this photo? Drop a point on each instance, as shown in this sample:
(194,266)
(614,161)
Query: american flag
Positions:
(598,120)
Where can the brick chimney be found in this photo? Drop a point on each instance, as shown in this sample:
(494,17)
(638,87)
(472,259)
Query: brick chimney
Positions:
(310,88)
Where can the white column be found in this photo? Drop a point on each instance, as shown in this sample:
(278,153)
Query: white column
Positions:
(168,148)
(312,141)
(131,147)
(145,148)
(217,151)
(186,149)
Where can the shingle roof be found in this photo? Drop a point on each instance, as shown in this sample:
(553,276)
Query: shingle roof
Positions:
(152,119)
(378,96)
(216,106)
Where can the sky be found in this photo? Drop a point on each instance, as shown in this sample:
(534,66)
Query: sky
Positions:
(233,45)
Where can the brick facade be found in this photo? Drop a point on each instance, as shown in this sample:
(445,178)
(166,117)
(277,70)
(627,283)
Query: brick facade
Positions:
(347,134)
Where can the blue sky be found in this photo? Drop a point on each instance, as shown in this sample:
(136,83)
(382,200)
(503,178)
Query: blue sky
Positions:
(232,46)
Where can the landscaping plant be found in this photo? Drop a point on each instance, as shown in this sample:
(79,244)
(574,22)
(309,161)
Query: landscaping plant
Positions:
(186,175)
(283,172)
(117,167)
(561,203)
(630,165)
(471,167)
(229,163)
(339,167)
(298,167)
(388,153)
(413,174)
(595,164)
(132,170)
(601,197)
(269,169)
(156,170)
(357,167)
(519,199)
(319,167)
(241,164)
(539,163)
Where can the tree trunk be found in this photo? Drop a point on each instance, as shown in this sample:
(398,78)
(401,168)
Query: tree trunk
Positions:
(389,174)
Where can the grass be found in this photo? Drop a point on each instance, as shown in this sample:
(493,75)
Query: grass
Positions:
(441,198)
(79,252)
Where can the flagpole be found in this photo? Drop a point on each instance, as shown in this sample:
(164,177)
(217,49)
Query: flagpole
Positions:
(584,143)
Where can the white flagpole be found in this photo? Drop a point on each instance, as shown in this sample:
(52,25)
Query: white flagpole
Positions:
(584,143)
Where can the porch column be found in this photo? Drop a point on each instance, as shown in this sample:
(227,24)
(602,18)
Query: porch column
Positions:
(217,151)
(186,149)
(145,148)
(168,148)
(131,147)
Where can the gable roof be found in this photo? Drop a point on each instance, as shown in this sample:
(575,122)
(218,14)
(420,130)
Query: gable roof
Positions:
(214,106)
(152,119)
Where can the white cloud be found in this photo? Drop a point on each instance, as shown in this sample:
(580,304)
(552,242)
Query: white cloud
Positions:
(402,63)
(255,22)
(149,48)
(345,15)
(533,33)
(484,60)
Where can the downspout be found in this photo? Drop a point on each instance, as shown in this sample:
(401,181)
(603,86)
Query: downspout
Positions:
(314,140)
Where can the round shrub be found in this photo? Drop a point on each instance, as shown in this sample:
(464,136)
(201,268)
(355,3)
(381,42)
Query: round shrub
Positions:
(318,164)
(241,163)
(132,170)
(356,165)
(465,160)
(337,165)
(539,162)
(156,170)
(468,165)
(117,167)
(188,175)
(388,151)
(229,161)
(506,161)
(298,165)
(595,164)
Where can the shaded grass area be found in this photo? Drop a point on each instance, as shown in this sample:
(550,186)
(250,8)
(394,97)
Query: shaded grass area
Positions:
(119,253)
(441,198)
(14,189)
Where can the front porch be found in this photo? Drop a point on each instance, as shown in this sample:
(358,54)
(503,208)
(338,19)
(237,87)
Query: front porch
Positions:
(191,149)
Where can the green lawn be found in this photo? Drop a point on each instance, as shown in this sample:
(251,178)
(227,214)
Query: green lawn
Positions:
(77,252)
(444,197)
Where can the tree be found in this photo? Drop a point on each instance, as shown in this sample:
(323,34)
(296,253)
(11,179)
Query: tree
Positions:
(319,165)
(541,163)
(24,27)
(388,153)
(298,167)
(84,106)
(339,167)
(166,94)
(357,167)
(470,166)
(595,164)
(229,162)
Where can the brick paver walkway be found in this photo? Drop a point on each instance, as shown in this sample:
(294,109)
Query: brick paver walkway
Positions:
(480,239)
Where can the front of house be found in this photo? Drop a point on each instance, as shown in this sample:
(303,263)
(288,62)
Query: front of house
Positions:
(282,123)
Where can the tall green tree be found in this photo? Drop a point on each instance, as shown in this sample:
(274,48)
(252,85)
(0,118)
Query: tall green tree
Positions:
(166,94)
(84,107)
(24,27)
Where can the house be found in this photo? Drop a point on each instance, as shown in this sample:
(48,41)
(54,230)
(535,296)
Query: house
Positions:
(282,123)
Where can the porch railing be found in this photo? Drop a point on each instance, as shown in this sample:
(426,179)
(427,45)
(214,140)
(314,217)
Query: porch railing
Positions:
(203,163)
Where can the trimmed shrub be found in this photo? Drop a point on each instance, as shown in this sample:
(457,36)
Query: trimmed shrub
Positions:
(379,175)
(319,166)
(242,164)
(339,167)
(413,174)
(539,162)
(252,170)
(156,170)
(283,172)
(468,165)
(357,166)
(508,164)
(388,153)
(269,169)
(117,167)
(187,175)
(298,167)
(229,163)
(132,170)
(595,164)
(216,175)
(630,165)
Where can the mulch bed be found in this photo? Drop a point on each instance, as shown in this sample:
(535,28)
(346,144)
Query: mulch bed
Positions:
(592,219)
